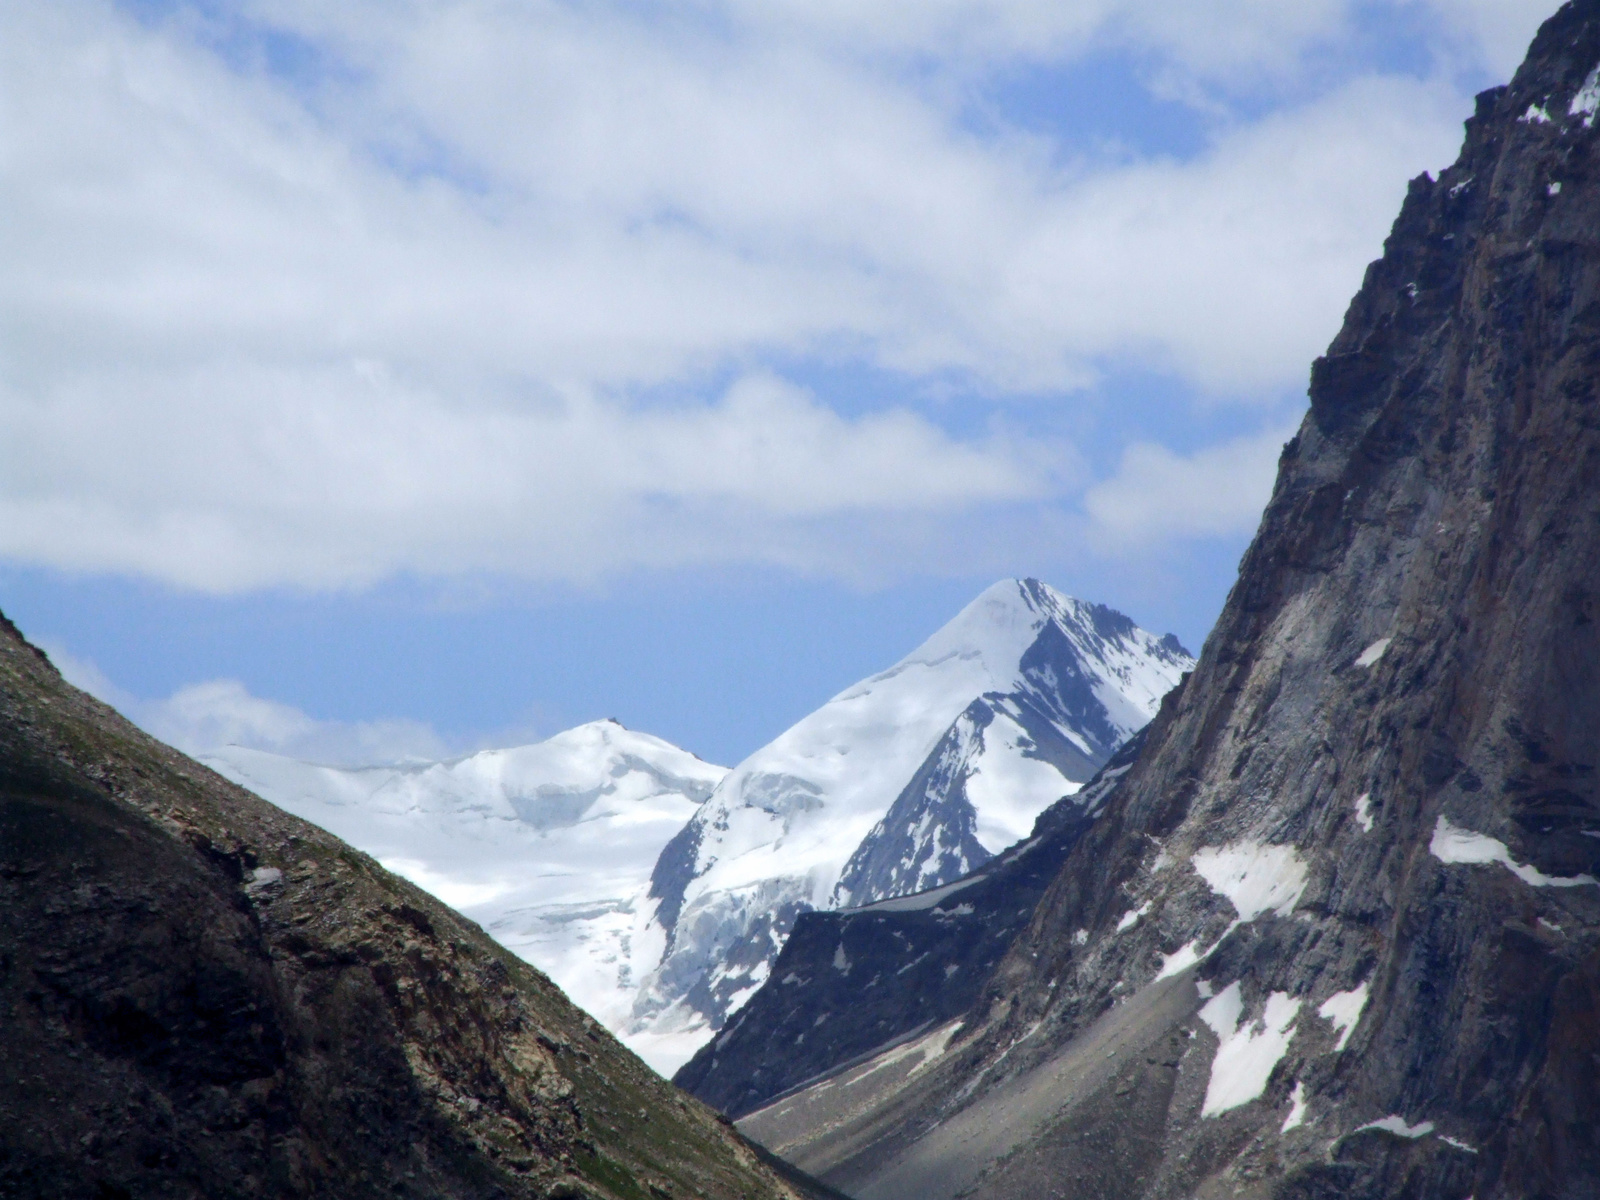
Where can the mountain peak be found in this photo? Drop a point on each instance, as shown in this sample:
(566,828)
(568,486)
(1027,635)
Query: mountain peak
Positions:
(904,780)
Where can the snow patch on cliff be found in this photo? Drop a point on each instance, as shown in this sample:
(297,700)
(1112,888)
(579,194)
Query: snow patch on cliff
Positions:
(1455,845)
(1397,1125)
(1587,100)
(1364,811)
(1255,877)
(1343,1010)
(1297,1108)
(1246,1051)
(1373,653)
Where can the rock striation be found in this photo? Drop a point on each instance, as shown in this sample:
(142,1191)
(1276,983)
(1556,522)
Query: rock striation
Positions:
(202,996)
(1337,931)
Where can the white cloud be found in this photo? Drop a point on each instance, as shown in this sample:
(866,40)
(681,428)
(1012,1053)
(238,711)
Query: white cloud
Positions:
(1157,494)
(396,320)
(234,477)
(223,712)
(203,717)
(1492,35)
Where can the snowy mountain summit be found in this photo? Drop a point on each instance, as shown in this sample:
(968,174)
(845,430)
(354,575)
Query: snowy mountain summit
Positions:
(905,781)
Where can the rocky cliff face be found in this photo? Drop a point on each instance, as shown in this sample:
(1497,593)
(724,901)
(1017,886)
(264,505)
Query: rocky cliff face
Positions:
(1337,932)
(201,996)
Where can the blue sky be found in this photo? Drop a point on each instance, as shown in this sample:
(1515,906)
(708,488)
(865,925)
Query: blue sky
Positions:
(402,378)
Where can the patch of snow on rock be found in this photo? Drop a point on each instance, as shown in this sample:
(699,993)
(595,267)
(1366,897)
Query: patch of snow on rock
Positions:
(1536,114)
(1297,1108)
(1255,877)
(1343,1010)
(1397,1126)
(1364,811)
(1587,100)
(1373,653)
(1246,1051)
(1459,1145)
(841,962)
(1131,917)
(1181,959)
(1452,844)
(921,900)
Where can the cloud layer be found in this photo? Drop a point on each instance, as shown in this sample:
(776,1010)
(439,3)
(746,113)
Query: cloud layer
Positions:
(316,294)
(203,717)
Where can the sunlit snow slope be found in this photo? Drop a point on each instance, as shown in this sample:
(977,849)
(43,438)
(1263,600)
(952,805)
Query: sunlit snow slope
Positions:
(549,847)
(907,780)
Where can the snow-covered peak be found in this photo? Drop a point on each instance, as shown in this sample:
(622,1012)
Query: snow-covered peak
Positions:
(602,761)
(1062,683)
(852,756)
(985,641)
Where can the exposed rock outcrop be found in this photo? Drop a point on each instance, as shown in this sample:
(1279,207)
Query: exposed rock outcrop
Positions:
(1337,932)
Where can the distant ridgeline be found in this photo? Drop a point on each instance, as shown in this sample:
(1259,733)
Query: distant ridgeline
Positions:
(1333,930)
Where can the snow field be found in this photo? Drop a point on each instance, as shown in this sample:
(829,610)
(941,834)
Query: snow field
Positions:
(1246,1051)
(1256,878)
(1009,789)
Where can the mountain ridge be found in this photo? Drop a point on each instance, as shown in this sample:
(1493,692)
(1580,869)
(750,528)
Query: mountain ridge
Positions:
(548,846)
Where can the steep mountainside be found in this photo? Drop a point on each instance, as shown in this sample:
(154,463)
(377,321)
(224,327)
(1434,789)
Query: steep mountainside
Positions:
(549,847)
(202,996)
(1337,931)
(903,782)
